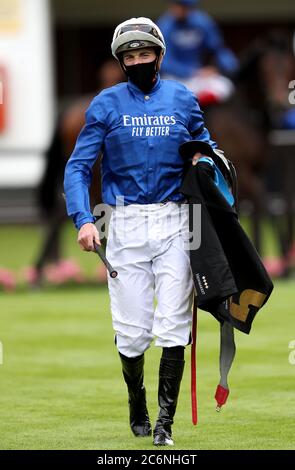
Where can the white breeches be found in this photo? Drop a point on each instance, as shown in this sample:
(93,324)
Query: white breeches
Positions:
(152,295)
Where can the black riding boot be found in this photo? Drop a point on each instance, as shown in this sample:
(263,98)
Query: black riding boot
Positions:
(170,375)
(133,374)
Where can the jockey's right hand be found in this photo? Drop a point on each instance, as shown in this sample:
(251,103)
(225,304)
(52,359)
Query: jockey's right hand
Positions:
(88,234)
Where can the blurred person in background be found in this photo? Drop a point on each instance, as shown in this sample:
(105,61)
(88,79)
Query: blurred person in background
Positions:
(195,45)
(50,191)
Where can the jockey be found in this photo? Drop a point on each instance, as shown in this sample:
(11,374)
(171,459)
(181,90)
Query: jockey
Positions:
(139,126)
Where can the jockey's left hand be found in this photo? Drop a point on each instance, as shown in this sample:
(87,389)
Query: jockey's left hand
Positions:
(196,158)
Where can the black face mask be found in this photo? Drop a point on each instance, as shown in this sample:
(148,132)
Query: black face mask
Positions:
(142,75)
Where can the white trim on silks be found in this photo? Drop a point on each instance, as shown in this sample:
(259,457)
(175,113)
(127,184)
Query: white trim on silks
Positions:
(146,245)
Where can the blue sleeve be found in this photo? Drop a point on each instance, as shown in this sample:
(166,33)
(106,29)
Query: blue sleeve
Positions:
(224,57)
(196,124)
(172,66)
(78,172)
(226,61)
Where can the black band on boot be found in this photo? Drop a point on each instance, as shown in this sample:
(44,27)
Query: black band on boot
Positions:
(170,376)
(177,352)
(133,374)
(130,359)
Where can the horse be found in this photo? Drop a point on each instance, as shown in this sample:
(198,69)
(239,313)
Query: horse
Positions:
(242,123)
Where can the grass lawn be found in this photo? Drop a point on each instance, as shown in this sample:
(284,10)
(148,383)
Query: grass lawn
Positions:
(61,384)
(20,246)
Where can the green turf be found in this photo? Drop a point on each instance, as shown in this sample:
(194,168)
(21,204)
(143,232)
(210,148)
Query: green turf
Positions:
(61,385)
(20,246)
